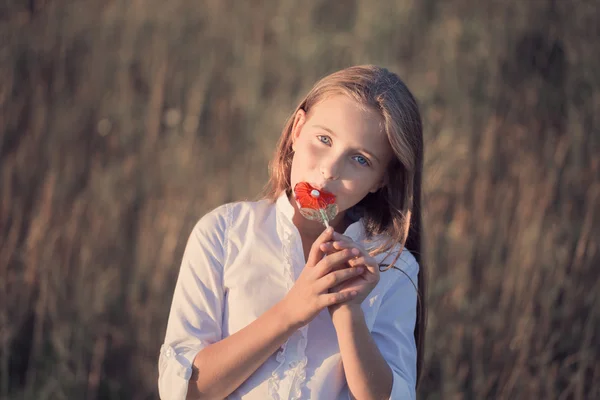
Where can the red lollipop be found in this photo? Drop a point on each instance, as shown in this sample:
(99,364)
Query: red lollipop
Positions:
(315,204)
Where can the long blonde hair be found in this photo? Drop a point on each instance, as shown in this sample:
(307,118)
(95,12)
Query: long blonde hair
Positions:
(394,211)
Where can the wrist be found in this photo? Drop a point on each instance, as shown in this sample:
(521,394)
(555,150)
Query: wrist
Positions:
(347,314)
(284,317)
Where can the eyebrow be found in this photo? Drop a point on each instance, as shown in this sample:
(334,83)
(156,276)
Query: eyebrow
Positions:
(367,152)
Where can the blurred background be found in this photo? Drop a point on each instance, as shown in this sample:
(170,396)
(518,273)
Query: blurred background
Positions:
(123,122)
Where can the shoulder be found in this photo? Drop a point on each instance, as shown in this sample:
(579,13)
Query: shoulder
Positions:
(214,231)
(222,218)
(406,262)
(404,269)
(249,209)
(214,219)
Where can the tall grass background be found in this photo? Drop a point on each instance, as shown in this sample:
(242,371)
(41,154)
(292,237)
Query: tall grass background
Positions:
(123,122)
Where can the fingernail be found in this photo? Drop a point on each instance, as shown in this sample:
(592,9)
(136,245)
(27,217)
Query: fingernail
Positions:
(355,251)
(359,270)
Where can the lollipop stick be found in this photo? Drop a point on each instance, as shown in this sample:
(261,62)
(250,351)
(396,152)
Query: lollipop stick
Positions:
(324,218)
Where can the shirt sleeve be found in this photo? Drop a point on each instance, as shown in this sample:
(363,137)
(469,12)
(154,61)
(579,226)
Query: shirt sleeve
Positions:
(394,326)
(195,319)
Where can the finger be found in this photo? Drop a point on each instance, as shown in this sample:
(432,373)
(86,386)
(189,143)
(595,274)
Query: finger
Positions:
(328,249)
(316,254)
(343,241)
(330,299)
(335,278)
(339,236)
(332,246)
(330,261)
(369,262)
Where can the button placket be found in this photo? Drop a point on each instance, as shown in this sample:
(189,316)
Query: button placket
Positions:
(282,377)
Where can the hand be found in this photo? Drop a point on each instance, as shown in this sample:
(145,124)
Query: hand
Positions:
(311,292)
(363,283)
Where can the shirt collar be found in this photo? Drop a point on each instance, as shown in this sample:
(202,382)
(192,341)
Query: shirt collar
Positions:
(284,206)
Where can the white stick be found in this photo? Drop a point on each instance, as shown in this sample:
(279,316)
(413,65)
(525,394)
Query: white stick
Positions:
(324,217)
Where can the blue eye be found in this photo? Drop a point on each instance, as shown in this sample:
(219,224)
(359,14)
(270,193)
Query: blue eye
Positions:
(362,160)
(324,139)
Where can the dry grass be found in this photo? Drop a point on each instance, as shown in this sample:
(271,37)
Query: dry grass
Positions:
(122,122)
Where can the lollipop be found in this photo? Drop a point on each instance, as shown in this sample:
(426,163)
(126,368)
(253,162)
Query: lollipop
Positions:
(315,204)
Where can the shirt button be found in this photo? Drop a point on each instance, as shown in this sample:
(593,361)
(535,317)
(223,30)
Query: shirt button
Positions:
(169,352)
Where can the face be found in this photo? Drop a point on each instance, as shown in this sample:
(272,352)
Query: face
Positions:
(340,147)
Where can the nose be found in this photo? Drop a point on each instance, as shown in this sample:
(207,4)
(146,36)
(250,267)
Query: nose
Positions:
(330,168)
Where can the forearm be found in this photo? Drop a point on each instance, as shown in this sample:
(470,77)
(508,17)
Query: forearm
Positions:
(222,367)
(368,374)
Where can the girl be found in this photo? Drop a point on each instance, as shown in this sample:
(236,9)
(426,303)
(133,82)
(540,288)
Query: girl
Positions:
(269,304)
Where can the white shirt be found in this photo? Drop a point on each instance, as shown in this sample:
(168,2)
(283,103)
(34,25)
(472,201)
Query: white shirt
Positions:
(240,260)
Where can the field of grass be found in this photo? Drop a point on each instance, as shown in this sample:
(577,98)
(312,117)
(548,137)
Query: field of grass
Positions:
(123,122)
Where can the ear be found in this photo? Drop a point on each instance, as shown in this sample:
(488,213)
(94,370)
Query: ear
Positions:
(299,120)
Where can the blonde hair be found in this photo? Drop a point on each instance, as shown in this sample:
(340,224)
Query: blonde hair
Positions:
(394,211)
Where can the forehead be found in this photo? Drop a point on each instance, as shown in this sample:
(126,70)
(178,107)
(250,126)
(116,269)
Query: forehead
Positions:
(351,121)
(346,112)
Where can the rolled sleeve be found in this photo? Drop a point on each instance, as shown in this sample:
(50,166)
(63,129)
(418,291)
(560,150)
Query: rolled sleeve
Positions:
(394,326)
(195,319)
(175,370)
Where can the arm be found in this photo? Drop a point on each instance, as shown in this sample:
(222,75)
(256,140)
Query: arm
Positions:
(394,327)
(196,310)
(222,367)
(392,336)
(195,363)
(368,374)
(381,364)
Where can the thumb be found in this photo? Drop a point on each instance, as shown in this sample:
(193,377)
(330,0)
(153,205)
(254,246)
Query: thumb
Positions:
(316,254)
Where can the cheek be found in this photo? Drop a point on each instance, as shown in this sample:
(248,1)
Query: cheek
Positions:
(353,190)
(306,154)
(302,162)
(359,185)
